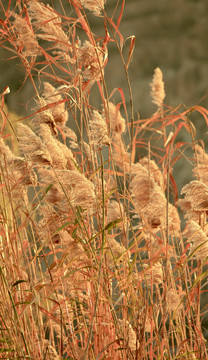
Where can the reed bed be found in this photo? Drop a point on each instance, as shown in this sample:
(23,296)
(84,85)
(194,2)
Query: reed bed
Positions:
(101,256)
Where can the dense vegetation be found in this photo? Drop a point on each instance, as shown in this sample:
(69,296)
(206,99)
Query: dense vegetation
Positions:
(95,261)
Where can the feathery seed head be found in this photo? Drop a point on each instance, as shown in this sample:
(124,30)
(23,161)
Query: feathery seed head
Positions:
(25,37)
(198,238)
(58,110)
(71,183)
(201,169)
(149,200)
(153,273)
(61,155)
(96,6)
(117,122)
(92,60)
(120,155)
(129,335)
(173,299)
(157,88)
(196,192)
(32,146)
(154,170)
(48,25)
(115,211)
(98,130)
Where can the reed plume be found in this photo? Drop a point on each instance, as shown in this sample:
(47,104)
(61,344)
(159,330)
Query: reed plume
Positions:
(96,6)
(157,88)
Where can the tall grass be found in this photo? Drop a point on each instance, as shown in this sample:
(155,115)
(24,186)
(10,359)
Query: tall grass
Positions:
(95,261)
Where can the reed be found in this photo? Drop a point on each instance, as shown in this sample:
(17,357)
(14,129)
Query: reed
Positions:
(100,258)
